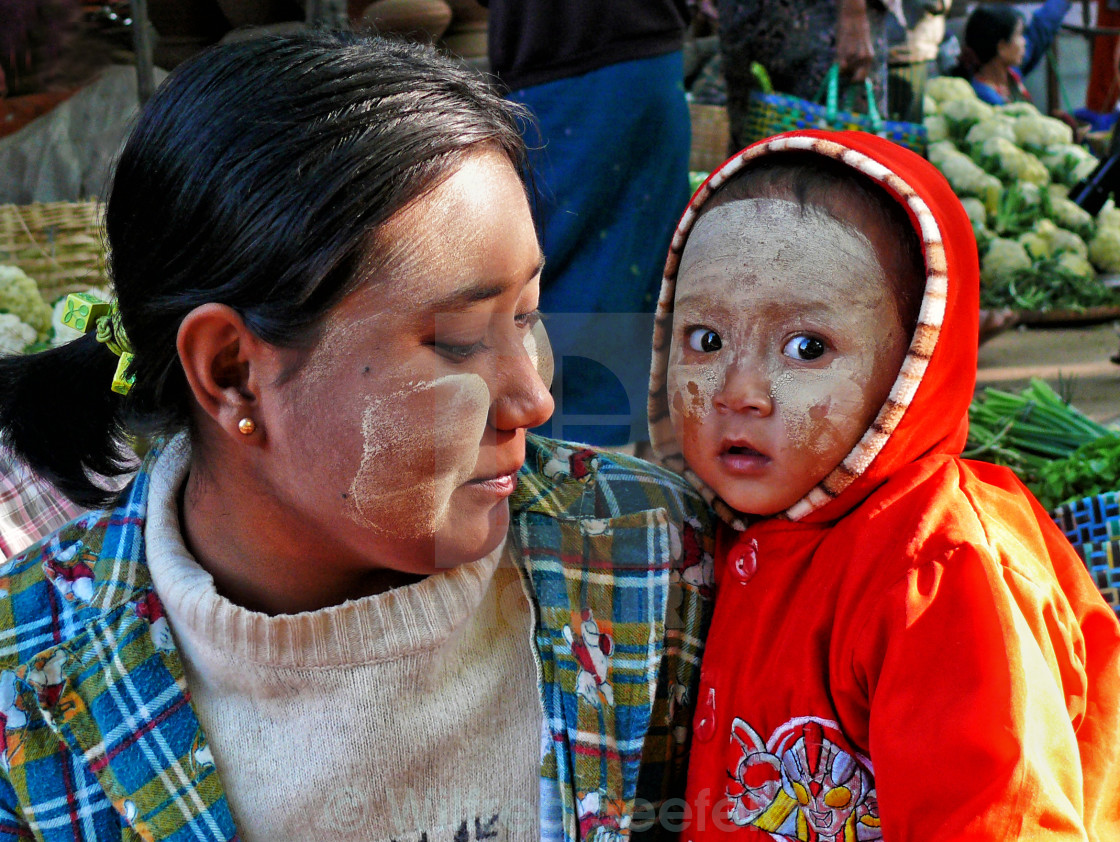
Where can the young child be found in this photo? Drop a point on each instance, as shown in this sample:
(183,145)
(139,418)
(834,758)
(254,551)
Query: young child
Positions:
(904,647)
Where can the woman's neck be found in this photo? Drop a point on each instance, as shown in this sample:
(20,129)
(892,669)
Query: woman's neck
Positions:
(242,539)
(995,73)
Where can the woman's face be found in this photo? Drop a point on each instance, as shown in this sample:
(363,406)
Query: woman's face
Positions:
(403,431)
(1012,51)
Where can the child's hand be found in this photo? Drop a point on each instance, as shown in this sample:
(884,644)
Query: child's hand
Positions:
(853,40)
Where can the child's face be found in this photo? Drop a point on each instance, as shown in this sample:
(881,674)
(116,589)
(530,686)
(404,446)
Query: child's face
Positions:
(786,342)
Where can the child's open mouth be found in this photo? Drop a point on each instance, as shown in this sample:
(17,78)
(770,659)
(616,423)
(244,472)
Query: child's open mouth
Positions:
(742,458)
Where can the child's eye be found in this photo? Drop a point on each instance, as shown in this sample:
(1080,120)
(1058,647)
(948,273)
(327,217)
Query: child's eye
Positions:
(804,348)
(704,339)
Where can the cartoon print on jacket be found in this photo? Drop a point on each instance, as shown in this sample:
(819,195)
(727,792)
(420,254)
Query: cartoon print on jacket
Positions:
(151,609)
(602,819)
(800,784)
(592,648)
(577,464)
(697,566)
(13,718)
(71,574)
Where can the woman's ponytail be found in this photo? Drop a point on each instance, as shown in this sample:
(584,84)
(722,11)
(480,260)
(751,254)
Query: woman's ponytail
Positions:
(59,415)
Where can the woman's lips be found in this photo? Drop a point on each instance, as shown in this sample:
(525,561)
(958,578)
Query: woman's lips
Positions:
(502,485)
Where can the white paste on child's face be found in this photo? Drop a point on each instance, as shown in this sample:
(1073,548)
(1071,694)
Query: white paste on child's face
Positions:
(765,275)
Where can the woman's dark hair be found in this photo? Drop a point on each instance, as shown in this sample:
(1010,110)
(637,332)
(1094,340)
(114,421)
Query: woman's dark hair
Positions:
(849,196)
(987,26)
(256,177)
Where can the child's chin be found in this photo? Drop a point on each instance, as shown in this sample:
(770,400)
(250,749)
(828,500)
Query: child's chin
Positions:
(756,505)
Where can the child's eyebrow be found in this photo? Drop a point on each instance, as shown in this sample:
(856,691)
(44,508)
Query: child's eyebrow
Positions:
(698,300)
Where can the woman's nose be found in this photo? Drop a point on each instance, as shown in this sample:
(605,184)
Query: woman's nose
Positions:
(522,399)
(744,389)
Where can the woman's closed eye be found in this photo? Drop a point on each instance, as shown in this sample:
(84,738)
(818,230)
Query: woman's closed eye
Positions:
(459,352)
(805,348)
(704,339)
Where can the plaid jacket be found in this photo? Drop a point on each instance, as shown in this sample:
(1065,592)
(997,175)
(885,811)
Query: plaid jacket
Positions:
(102,742)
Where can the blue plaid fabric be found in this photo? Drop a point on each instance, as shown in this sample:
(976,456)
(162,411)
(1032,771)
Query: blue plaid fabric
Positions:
(101,742)
(1092,525)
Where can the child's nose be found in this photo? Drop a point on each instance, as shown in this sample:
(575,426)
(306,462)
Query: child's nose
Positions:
(745,389)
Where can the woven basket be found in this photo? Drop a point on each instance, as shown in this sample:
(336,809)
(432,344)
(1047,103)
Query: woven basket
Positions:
(711,137)
(60,245)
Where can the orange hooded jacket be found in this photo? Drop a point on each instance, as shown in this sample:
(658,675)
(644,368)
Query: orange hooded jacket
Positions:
(913,651)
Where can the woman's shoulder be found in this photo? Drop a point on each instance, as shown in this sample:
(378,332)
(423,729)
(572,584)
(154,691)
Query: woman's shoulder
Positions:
(55,587)
(570,479)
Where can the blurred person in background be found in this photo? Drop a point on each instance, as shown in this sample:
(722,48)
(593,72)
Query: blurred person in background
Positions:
(1000,48)
(797,41)
(604,82)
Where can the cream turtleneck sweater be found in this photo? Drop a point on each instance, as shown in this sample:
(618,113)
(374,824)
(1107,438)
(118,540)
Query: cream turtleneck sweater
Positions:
(406,715)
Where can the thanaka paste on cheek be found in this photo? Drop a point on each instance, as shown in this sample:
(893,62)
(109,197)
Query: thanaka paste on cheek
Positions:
(411,497)
(539,350)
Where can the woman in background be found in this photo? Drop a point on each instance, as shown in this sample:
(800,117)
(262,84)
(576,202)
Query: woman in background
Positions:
(999,49)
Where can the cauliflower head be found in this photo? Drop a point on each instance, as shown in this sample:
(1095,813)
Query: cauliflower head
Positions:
(1104,249)
(1002,155)
(1037,132)
(977,213)
(15,334)
(968,179)
(1109,215)
(1069,215)
(995,126)
(936,128)
(961,114)
(1017,109)
(1037,246)
(20,296)
(941,151)
(1057,191)
(1068,163)
(1062,240)
(930,106)
(1002,259)
(942,89)
(1078,265)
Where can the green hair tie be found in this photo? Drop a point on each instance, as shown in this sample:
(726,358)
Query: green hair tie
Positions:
(87,313)
(110,332)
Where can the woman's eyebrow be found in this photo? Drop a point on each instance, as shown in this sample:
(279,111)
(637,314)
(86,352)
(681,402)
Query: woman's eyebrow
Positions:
(462,298)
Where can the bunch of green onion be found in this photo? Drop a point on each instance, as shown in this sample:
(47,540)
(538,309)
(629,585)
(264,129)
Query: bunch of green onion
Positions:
(1026,431)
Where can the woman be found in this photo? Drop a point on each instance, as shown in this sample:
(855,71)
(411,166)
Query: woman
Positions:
(999,50)
(296,622)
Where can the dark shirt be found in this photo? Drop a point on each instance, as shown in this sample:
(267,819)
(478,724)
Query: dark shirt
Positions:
(537,41)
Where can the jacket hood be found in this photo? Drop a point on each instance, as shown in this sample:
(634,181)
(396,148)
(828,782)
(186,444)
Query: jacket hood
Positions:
(926,412)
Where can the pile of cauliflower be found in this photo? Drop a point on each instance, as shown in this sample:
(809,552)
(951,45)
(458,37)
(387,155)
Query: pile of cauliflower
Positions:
(25,318)
(1013,168)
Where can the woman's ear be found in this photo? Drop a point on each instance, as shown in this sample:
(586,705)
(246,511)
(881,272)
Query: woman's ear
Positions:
(226,366)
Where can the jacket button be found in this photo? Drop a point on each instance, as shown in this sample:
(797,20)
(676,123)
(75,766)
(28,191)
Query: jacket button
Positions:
(706,717)
(744,561)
